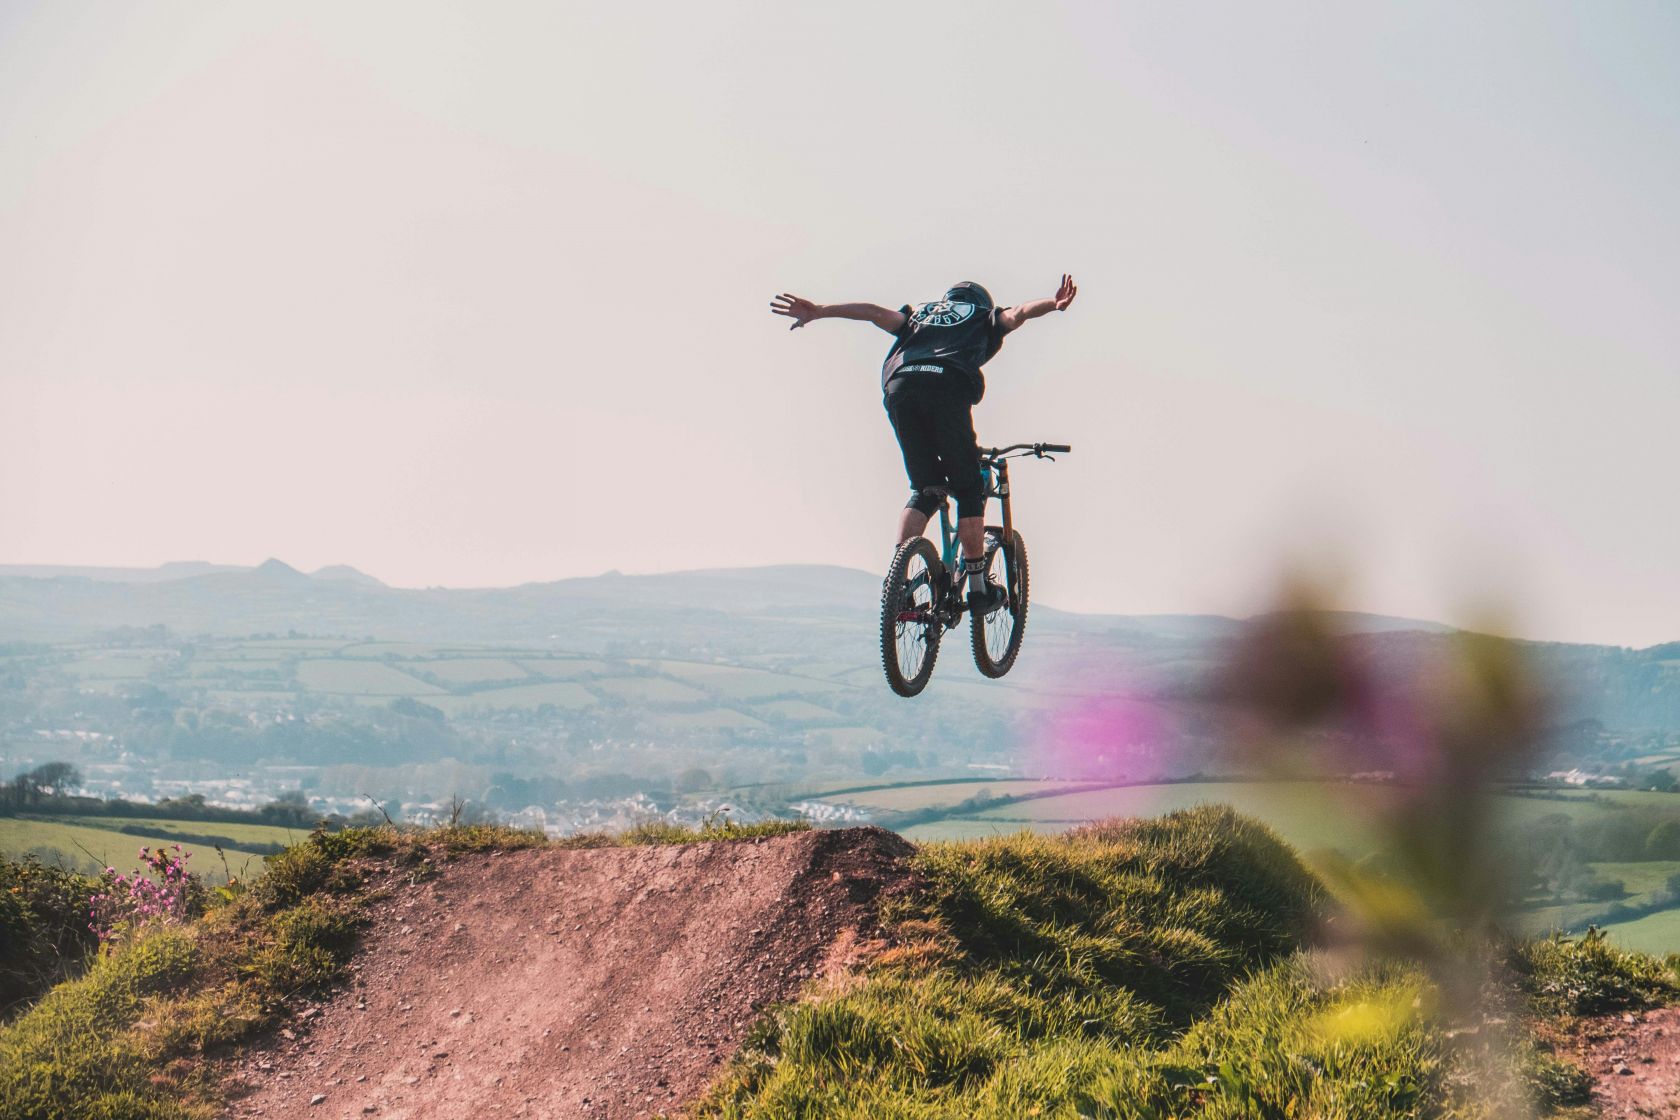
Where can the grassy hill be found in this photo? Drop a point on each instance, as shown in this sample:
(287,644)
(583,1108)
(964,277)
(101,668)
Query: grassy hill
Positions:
(1317,818)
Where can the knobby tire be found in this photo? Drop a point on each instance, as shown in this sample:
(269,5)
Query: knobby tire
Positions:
(994,654)
(911,587)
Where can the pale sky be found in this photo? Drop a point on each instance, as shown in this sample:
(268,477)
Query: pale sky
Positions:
(476,294)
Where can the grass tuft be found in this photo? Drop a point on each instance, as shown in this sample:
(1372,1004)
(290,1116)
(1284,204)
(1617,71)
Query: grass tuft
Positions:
(1567,976)
(72,1055)
(662,832)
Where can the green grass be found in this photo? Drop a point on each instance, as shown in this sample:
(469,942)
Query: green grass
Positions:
(395,649)
(566,668)
(1309,815)
(943,794)
(1641,880)
(1519,810)
(650,690)
(711,718)
(237,831)
(294,645)
(74,1057)
(359,678)
(560,694)
(118,668)
(1654,933)
(470,670)
(736,683)
(1589,976)
(801,710)
(87,845)
(240,699)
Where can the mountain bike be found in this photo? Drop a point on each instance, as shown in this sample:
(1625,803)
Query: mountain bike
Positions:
(923,595)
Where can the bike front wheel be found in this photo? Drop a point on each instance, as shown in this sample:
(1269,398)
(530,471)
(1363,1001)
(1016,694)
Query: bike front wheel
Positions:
(910,626)
(997,632)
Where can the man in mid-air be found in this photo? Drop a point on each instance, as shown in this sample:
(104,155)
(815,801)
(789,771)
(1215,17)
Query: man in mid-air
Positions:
(931,381)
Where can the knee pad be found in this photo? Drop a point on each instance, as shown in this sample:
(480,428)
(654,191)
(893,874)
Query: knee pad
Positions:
(927,500)
(971,500)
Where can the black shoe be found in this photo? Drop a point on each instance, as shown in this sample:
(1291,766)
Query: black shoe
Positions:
(987,601)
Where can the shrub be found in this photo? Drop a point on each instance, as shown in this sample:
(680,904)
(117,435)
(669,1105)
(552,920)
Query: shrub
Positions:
(44,934)
(1589,976)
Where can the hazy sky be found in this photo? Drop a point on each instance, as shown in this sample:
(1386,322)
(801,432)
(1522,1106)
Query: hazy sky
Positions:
(476,294)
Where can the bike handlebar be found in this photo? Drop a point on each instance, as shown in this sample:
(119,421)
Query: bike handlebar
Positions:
(1038,449)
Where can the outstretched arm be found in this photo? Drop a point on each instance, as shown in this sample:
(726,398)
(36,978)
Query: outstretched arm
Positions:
(1012,317)
(802,311)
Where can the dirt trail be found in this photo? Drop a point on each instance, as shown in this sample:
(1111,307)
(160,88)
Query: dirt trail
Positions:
(607,983)
(1634,1060)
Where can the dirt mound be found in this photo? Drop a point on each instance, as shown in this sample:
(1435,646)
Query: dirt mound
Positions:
(598,983)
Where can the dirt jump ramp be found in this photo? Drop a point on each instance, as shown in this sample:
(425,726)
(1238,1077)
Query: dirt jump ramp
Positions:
(607,983)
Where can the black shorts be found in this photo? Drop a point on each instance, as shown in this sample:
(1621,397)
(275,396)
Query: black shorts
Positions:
(932,415)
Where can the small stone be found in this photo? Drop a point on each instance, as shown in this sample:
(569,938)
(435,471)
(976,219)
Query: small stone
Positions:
(317,1098)
(455,1014)
(439,1055)
(361,1077)
(309,1013)
(288,1034)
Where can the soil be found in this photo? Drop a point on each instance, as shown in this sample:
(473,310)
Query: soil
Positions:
(1635,1063)
(607,984)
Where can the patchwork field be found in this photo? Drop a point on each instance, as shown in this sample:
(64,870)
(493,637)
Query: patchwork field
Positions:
(273,675)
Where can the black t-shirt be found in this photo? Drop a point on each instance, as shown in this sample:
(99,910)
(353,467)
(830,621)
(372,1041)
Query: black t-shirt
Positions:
(943,339)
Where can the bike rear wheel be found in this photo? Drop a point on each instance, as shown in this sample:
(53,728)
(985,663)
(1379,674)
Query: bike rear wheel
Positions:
(910,626)
(997,633)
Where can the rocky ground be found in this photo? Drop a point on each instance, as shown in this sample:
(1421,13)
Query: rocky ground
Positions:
(607,984)
(1635,1061)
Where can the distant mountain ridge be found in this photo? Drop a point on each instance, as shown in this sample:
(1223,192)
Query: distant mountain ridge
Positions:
(191,595)
(744,616)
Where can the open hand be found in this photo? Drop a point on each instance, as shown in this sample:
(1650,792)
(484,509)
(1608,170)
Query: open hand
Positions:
(801,311)
(1065,293)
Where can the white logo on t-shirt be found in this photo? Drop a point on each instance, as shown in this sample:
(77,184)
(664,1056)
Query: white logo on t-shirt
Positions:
(941,313)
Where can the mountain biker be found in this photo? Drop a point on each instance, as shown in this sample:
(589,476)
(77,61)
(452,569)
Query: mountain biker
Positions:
(930,382)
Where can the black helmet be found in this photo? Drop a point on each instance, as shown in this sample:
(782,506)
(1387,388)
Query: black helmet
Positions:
(970,292)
